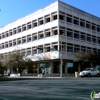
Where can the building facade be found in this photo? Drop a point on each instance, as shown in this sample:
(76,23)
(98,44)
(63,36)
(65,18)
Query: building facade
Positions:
(60,30)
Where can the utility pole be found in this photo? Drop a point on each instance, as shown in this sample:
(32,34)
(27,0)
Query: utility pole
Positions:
(61,59)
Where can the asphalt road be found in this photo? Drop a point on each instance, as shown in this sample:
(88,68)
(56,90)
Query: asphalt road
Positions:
(49,89)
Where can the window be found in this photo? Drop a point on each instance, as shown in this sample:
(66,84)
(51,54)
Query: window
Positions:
(29,26)
(14,31)
(55,32)
(76,21)
(47,18)
(6,45)
(34,23)
(55,47)
(40,36)
(29,39)
(87,24)
(69,18)
(98,40)
(83,49)
(28,52)
(76,35)
(69,33)
(83,36)
(19,41)
(54,16)
(24,53)
(69,47)
(41,21)
(23,27)
(34,51)
(99,51)
(40,50)
(19,29)
(24,40)
(61,17)
(47,34)
(76,49)
(10,32)
(3,35)
(94,39)
(98,28)
(63,46)
(82,22)
(93,27)
(47,49)
(88,49)
(34,36)
(88,38)
(10,44)
(2,46)
(6,34)
(62,32)
(14,42)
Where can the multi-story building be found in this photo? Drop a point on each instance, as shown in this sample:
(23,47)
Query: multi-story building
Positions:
(57,26)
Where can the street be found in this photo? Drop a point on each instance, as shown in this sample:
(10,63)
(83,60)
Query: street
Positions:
(49,89)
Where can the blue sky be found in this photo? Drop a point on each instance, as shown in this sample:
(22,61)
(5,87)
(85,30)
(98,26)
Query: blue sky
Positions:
(12,10)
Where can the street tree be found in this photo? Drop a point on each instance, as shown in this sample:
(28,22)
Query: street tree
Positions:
(91,57)
(17,62)
(2,68)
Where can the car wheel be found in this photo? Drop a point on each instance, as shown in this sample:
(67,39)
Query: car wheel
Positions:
(98,74)
(89,75)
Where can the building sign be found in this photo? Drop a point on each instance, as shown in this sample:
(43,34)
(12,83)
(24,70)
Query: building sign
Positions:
(34,66)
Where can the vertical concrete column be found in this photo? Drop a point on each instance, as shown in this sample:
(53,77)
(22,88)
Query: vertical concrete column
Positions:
(51,67)
(66,68)
(26,39)
(65,17)
(50,32)
(31,52)
(21,40)
(79,67)
(31,38)
(50,17)
(38,65)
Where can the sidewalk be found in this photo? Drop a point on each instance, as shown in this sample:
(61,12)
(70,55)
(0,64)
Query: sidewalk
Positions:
(8,78)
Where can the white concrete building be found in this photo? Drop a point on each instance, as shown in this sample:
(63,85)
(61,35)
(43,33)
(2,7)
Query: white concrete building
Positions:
(54,26)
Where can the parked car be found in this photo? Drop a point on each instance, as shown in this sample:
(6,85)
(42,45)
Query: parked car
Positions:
(89,72)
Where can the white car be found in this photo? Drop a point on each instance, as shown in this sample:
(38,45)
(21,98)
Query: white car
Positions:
(89,72)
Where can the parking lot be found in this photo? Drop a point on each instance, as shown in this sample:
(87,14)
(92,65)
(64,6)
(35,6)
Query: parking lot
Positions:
(49,89)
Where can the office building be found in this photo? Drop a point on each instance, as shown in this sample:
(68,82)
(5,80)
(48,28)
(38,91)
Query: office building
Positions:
(60,30)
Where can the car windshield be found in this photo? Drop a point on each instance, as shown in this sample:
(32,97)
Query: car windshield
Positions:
(87,69)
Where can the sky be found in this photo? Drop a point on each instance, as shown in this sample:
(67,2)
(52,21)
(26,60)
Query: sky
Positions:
(12,10)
